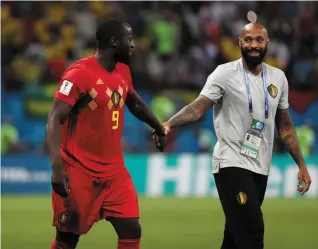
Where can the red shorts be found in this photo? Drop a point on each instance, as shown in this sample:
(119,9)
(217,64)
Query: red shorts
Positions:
(94,198)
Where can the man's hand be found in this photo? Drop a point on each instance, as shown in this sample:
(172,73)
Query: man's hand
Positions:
(60,182)
(160,140)
(166,127)
(303,179)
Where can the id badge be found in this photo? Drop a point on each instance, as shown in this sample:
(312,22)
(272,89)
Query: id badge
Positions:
(253,139)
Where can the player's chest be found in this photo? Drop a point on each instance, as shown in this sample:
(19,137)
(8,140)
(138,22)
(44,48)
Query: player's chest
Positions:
(108,92)
(238,92)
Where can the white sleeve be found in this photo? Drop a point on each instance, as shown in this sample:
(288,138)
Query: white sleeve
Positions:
(283,100)
(214,87)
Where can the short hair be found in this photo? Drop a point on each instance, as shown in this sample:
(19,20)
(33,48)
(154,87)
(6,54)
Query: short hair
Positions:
(106,29)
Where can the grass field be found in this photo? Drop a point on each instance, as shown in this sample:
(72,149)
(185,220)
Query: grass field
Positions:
(168,223)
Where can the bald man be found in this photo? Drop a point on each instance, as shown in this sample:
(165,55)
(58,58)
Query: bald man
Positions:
(249,99)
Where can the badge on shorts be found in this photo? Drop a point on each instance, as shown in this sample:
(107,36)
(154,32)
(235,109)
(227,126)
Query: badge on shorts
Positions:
(63,218)
(241,198)
(272,90)
(253,139)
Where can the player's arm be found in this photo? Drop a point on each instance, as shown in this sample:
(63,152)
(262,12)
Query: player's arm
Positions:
(70,89)
(140,110)
(288,136)
(137,105)
(65,98)
(57,116)
(191,113)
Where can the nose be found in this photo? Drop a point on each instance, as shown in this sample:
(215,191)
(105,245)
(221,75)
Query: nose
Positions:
(132,45)
(254,44)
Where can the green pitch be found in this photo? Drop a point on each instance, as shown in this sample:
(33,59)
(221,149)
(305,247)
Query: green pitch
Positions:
(168,223)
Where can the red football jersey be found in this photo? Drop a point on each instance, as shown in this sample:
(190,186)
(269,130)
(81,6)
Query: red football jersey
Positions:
(91,136)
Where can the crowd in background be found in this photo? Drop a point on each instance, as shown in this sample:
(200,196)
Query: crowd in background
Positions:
(177,45)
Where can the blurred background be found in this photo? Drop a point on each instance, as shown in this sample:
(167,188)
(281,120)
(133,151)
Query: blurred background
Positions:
(177,45)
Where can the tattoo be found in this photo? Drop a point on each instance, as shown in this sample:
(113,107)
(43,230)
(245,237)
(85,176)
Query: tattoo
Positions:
(288,135)
(187,114)
(140,110)
(191,113)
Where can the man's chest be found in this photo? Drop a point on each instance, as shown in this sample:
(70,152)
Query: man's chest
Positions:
(237,93)
(108,92)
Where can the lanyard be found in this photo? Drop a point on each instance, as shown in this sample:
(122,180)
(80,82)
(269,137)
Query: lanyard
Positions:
(249,96)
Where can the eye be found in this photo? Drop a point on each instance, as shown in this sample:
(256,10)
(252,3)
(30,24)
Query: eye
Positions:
(260,39)
(248,39)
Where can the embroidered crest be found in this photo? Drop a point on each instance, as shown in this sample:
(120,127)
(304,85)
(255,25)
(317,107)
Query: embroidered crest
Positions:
(115,98)
(63,218)
(241,198)
(272,90)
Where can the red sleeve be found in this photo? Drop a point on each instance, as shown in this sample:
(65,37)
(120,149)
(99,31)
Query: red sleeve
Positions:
(72,85)
(125,72)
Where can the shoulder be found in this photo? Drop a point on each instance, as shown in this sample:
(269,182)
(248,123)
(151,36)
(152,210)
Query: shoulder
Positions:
(226,71)
(230,66)
(278,75)
(276,72)
(79,68)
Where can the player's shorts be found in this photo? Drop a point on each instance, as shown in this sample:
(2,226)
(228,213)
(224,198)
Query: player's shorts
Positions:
(94,198)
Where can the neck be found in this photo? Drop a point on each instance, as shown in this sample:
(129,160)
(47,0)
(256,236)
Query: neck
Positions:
(254,69)
(106,59)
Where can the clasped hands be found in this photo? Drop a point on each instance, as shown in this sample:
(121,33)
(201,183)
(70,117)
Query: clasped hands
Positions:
(160,140)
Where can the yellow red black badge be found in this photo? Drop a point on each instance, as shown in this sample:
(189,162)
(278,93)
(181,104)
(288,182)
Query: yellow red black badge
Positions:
(241,198)
(63,218)
(115,98)
(272,90)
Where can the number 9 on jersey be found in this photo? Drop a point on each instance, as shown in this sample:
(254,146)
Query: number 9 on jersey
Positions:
(115,119)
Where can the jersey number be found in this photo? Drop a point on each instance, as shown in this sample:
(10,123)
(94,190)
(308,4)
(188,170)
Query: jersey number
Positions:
(115,118)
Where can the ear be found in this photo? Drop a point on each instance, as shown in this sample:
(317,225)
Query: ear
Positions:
(114,42)
(240,42)
(268,41)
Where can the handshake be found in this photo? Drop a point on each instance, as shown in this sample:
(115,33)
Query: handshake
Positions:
(160,137)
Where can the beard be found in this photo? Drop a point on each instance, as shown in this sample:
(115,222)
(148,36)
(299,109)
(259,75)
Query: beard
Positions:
(253,61)
(122,57)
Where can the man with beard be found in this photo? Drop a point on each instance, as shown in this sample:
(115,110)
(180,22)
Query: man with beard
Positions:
(90,182)
(249,97)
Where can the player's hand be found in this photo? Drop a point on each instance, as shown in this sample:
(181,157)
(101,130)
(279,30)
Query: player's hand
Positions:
(166,127)
(60,182)
(160,140)
(304,180)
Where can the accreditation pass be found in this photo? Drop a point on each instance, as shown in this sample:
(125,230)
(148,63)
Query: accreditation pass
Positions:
(251,144)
